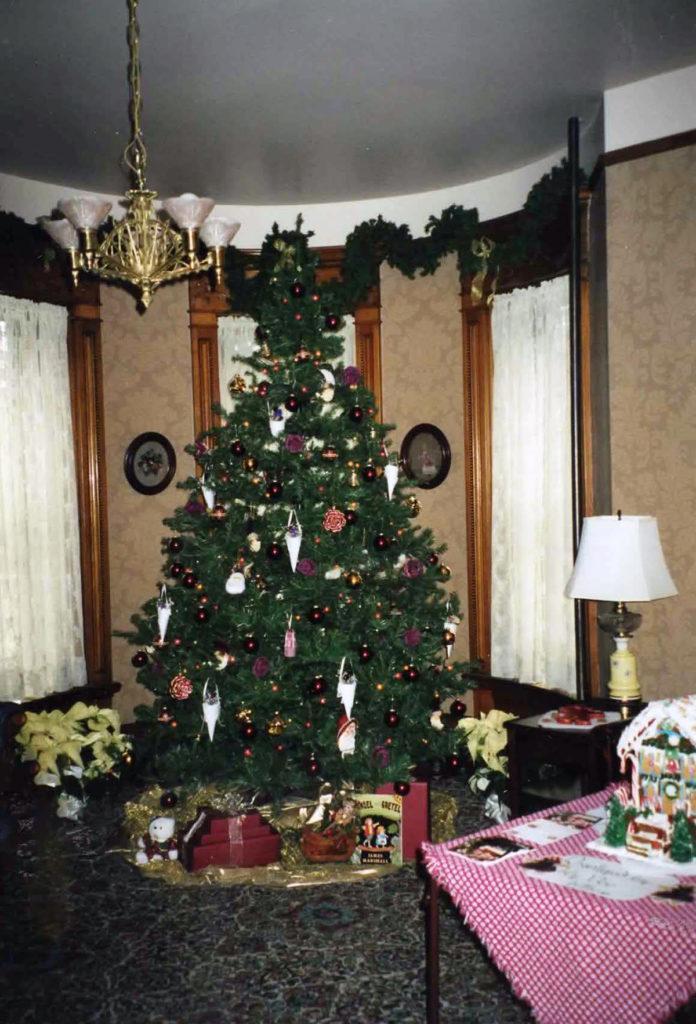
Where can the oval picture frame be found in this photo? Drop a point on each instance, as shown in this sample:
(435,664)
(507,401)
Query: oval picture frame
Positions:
(426,456)
(149,463)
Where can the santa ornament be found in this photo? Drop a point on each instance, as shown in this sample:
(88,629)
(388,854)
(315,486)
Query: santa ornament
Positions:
(345,735)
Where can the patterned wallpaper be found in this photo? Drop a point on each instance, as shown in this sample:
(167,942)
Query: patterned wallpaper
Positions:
(147,386)
(422,375)
(651,235)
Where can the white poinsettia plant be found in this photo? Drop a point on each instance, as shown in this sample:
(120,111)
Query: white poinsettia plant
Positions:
(82,744)
(486,739)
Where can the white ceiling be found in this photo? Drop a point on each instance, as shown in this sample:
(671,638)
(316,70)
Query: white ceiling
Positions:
(283,101)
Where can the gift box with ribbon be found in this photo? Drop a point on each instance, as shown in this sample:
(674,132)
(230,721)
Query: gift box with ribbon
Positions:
(217,840)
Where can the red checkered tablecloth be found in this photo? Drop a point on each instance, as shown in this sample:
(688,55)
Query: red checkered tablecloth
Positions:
(575,957)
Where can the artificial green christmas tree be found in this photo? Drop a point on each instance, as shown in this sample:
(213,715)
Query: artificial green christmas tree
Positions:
(306,628)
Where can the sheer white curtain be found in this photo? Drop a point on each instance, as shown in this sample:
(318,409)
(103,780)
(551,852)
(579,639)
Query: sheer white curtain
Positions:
(532,628)
(41,640)
(236,340)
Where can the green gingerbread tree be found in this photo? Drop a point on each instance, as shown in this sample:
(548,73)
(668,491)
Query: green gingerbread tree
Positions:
(617,824)
(682,849)
(303,631)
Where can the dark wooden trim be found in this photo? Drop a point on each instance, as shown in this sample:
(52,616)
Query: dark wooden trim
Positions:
(87,400)
(206,304)
(650,148)
(521,699)
(477,351)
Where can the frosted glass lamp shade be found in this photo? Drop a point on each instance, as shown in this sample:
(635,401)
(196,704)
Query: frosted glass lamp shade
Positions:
(85,212)
(216,231)
(620,559)
(61,231)
(188,210)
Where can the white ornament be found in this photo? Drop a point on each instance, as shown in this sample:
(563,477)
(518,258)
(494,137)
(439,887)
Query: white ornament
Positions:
(208,494)
(333,573)
(164,611)
(277,418)
(211,709)
(253,542)
(391,475)
(236,584)
(327,392)
(436,721)
(345,691)
(345,737)
(293,538)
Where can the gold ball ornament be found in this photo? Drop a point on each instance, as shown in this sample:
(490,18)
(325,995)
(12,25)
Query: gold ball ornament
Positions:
(414,506)
(353,578)
(236,385)
(276,725)
(244,715)
(445,571)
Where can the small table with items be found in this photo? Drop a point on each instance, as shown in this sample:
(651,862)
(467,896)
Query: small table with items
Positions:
(582,752)
(583,936)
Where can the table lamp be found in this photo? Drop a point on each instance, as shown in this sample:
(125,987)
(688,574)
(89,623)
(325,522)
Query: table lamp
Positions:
(620,559)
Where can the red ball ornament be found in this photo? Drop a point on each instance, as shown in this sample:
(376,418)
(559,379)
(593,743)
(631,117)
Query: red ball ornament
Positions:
(250,644)
(391,718)
(356,414)
(332,321)
(402,788)
(457,709)
(263,388)
(176,545)
(297,289)
(369,473)
(292,403)
(248,731)
(433,559)
(411,673)
(315,297)
(351,517)
(315,614)
(318,685)
(139,659)
(274,551)
(202,615)
(298,317)
(280,747)
(274,491)
(381,543)
(237,448)
(176,570)
(248,752)
(180,688)
(177,641)
(453,763)
(313,767)
(334,520)
(365,652)
(189,581)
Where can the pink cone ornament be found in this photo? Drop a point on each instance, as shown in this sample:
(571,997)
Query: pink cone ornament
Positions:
(290,644)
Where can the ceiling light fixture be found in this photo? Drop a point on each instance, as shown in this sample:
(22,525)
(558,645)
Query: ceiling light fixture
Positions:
(143,249)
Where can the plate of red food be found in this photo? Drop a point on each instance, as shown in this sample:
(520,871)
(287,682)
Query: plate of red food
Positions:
(577,716)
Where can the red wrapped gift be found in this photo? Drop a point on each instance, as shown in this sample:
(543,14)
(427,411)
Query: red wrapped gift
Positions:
(415,817)
(221,841)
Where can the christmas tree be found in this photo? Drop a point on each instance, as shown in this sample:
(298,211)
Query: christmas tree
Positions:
(682,849)
(304,631)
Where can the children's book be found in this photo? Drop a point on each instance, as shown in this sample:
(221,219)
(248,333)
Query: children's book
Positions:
(378,821)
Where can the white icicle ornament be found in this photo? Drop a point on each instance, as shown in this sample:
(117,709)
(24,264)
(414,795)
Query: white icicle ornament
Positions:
(391,475)
(211,709)
(208,495)
(236,584)
(164,612)
(347,684)
(293,538)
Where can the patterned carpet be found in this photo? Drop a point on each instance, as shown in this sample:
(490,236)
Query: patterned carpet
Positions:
(87,939)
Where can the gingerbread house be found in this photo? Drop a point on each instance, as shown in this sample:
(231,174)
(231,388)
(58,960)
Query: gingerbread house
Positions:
(659,749)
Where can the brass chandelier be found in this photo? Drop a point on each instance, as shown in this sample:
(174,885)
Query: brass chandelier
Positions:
(143,248)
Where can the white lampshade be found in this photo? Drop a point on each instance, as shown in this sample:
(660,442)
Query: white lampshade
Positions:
(620,559)
(61,231)
(216,231)
(188,210)
(86,212)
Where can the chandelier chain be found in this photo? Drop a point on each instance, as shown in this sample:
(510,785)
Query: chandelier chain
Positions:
(135,155)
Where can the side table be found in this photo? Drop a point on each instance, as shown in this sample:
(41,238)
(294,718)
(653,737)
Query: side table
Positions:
(588,756)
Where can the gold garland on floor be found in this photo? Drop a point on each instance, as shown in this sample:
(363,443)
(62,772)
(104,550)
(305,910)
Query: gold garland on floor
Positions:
(292,871)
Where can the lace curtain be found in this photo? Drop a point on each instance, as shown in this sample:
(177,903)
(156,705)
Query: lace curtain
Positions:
(41,640)
(532,626)
(236,340)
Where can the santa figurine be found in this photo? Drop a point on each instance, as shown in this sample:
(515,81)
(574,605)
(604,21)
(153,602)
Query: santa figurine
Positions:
(345,735)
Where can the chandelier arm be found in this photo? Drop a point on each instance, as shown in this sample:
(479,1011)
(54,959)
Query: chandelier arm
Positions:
(135,154)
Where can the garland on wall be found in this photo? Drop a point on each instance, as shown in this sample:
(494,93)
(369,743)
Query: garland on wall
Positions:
(541,237)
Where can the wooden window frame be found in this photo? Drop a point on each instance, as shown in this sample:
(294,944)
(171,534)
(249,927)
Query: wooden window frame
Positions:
(207,304)
(24,279)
